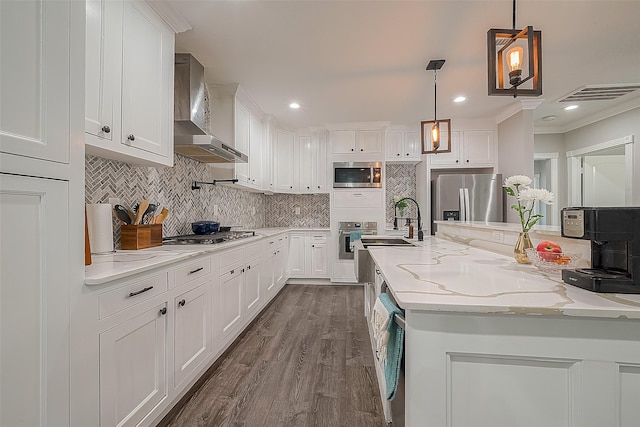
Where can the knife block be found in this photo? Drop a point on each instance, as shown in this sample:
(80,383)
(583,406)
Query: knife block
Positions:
(141,236)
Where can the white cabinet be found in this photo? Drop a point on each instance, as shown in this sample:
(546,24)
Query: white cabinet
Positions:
(256,152)
(285,165)
(133,367)
(231,301)
(402,146)
(307,163)
(253,288)
(308,255)
(297,258)
(321,184)
(469,149)
(193,329)
(362,198)
(356,141)
(241,141)
(129,83)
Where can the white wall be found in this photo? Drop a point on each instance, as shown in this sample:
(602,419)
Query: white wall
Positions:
(554,143)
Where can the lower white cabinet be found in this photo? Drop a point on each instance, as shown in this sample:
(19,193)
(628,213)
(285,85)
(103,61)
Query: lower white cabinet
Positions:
(231,305)
(317,264)
(297,251)
(133,367)
(193,325)
(308,255)
(253,296)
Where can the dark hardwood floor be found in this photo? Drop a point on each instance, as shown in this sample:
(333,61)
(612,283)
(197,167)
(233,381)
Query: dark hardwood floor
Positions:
(306,361)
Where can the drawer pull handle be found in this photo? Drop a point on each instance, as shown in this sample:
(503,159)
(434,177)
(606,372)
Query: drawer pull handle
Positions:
(248,267)
(233,271)
(106,129)
(133,294)
(181,303)
(196,270)
(163,311)
(131,137)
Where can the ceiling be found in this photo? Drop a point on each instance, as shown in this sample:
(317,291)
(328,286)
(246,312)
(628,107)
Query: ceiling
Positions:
(364,61)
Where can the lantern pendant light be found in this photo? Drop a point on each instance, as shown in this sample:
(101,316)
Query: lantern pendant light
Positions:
(506,51)
(432,130)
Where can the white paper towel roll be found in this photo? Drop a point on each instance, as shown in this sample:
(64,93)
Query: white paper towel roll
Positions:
(100,227)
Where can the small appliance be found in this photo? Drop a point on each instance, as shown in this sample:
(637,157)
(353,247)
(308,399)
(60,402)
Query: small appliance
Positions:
(357,174)
(615,248)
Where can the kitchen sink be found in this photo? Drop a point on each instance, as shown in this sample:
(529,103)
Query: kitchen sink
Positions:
(377,241)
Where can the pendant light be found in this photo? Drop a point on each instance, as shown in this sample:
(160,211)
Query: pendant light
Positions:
(432,144)
(508,51)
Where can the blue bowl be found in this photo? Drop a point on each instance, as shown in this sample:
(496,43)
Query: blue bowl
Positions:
(205,227)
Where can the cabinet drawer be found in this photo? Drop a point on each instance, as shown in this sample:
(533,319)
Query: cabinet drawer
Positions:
(193,271)
(230,260)
(316,237)
(134,293)
(357,199)
(254,250)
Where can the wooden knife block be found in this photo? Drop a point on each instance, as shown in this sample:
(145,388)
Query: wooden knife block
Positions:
(141,236)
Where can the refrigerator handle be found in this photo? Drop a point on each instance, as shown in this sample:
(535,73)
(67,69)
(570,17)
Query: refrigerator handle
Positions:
(463,207)
(467,210)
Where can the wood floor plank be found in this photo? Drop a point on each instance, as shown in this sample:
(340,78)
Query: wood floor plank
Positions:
(306,361)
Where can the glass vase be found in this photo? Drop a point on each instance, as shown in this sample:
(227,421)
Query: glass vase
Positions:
(522,244)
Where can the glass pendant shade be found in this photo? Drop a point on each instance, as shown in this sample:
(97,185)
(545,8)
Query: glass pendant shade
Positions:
(435,136)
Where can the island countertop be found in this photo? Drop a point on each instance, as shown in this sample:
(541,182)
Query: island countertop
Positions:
(440,275)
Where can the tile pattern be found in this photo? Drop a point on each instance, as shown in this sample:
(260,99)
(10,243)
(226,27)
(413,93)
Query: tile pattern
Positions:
(314,210)
(401,181)
(171,188)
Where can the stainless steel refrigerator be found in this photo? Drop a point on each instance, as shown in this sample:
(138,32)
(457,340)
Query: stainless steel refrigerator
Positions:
(466,197)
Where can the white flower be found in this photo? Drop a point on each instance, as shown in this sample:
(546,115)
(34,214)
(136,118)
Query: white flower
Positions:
(533,194)
(517,180)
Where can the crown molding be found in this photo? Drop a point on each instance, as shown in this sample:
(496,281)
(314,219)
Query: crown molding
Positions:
(516,107)
(173,19)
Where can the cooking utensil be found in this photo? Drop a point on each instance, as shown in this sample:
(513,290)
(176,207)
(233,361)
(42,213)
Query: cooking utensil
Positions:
(147,216)
(205,227)
(142,208)
(122,214)
(159,219)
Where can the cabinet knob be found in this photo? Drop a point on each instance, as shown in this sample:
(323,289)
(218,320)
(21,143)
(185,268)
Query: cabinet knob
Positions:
(308,187)
(313,246)
(456,161)
(291,186)
(398,154)
(362,149)
(467,160)
(352,149)
(131,137)
(318,187)
(248,267)
(181,303)
(407,154)
(106,129)
(163,311)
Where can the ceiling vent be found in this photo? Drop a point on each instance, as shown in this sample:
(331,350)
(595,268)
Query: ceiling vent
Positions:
(601,92)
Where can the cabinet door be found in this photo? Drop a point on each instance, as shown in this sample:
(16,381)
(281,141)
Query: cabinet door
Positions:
(103,62)
(147,81)
(34,79)
(255,152)
(478,148)
(271,271)
(393,146)
(451,159)
(319,260)
(252,286)
(133,371)
(284,162)
(192,330)
(369,141)
(307,161)
(412,147)
(242,131)
(296,260)
(231,303)
(34,303)
(321,163)
(344,141)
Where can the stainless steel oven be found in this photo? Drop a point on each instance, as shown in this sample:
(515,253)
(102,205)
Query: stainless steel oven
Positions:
(357,174)
(347,230)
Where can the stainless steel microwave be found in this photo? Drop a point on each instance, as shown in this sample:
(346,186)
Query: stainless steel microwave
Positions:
(357,174)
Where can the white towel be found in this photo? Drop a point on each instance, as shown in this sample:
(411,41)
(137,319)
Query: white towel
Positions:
(380,321)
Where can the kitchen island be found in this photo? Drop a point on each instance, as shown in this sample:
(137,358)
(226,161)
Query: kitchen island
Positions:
(490,342)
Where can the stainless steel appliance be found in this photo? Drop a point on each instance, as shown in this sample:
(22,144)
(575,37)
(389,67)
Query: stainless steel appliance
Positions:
(615,248)
(207,239)
(348,229)
(466,197)
(191,137)
(357,174)
(363,263)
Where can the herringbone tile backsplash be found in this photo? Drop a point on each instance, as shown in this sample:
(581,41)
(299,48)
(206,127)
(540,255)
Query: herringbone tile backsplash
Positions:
(171,188)
(400,182)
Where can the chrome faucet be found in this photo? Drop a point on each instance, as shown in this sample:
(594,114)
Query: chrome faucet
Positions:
(395,217)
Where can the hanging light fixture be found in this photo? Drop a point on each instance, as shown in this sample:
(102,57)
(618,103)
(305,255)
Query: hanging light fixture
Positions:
(432,130)
(509,52)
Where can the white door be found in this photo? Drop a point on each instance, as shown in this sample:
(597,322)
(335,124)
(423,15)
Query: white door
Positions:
(231,302)
(34,79)
(477,148)
(344,141)
(296,261)
(604,180)
(256,152)
(284,151)
(133,371)
(241,140)
(393,146)
(306,164)
(192,330)
(320,162)
(369,141)
(252,286)
(412,149)
(319,260)
(34,302)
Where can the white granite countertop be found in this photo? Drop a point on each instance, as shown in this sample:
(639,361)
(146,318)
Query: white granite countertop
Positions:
(552,230)
(440,275)
(120,264)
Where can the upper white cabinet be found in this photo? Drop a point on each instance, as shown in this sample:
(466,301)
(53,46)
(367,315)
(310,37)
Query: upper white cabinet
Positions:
(402,146)
(34,79)
(284,162)
(469,149)
(129,83)
(313,163)
(353,141)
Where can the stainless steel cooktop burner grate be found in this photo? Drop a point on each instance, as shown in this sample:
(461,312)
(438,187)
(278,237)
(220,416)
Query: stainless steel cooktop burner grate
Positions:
(207,239)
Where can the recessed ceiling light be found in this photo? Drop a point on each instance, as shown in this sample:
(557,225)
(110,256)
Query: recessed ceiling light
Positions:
(294,105)
(570,107)
(549,118)
(460,99)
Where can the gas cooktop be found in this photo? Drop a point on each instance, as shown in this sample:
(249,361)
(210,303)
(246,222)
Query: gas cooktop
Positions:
(207,239)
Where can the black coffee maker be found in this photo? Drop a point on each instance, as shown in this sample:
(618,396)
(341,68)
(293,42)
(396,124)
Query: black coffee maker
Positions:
(615,248)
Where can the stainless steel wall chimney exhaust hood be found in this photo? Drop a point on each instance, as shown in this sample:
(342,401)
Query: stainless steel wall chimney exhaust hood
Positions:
(190,136)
